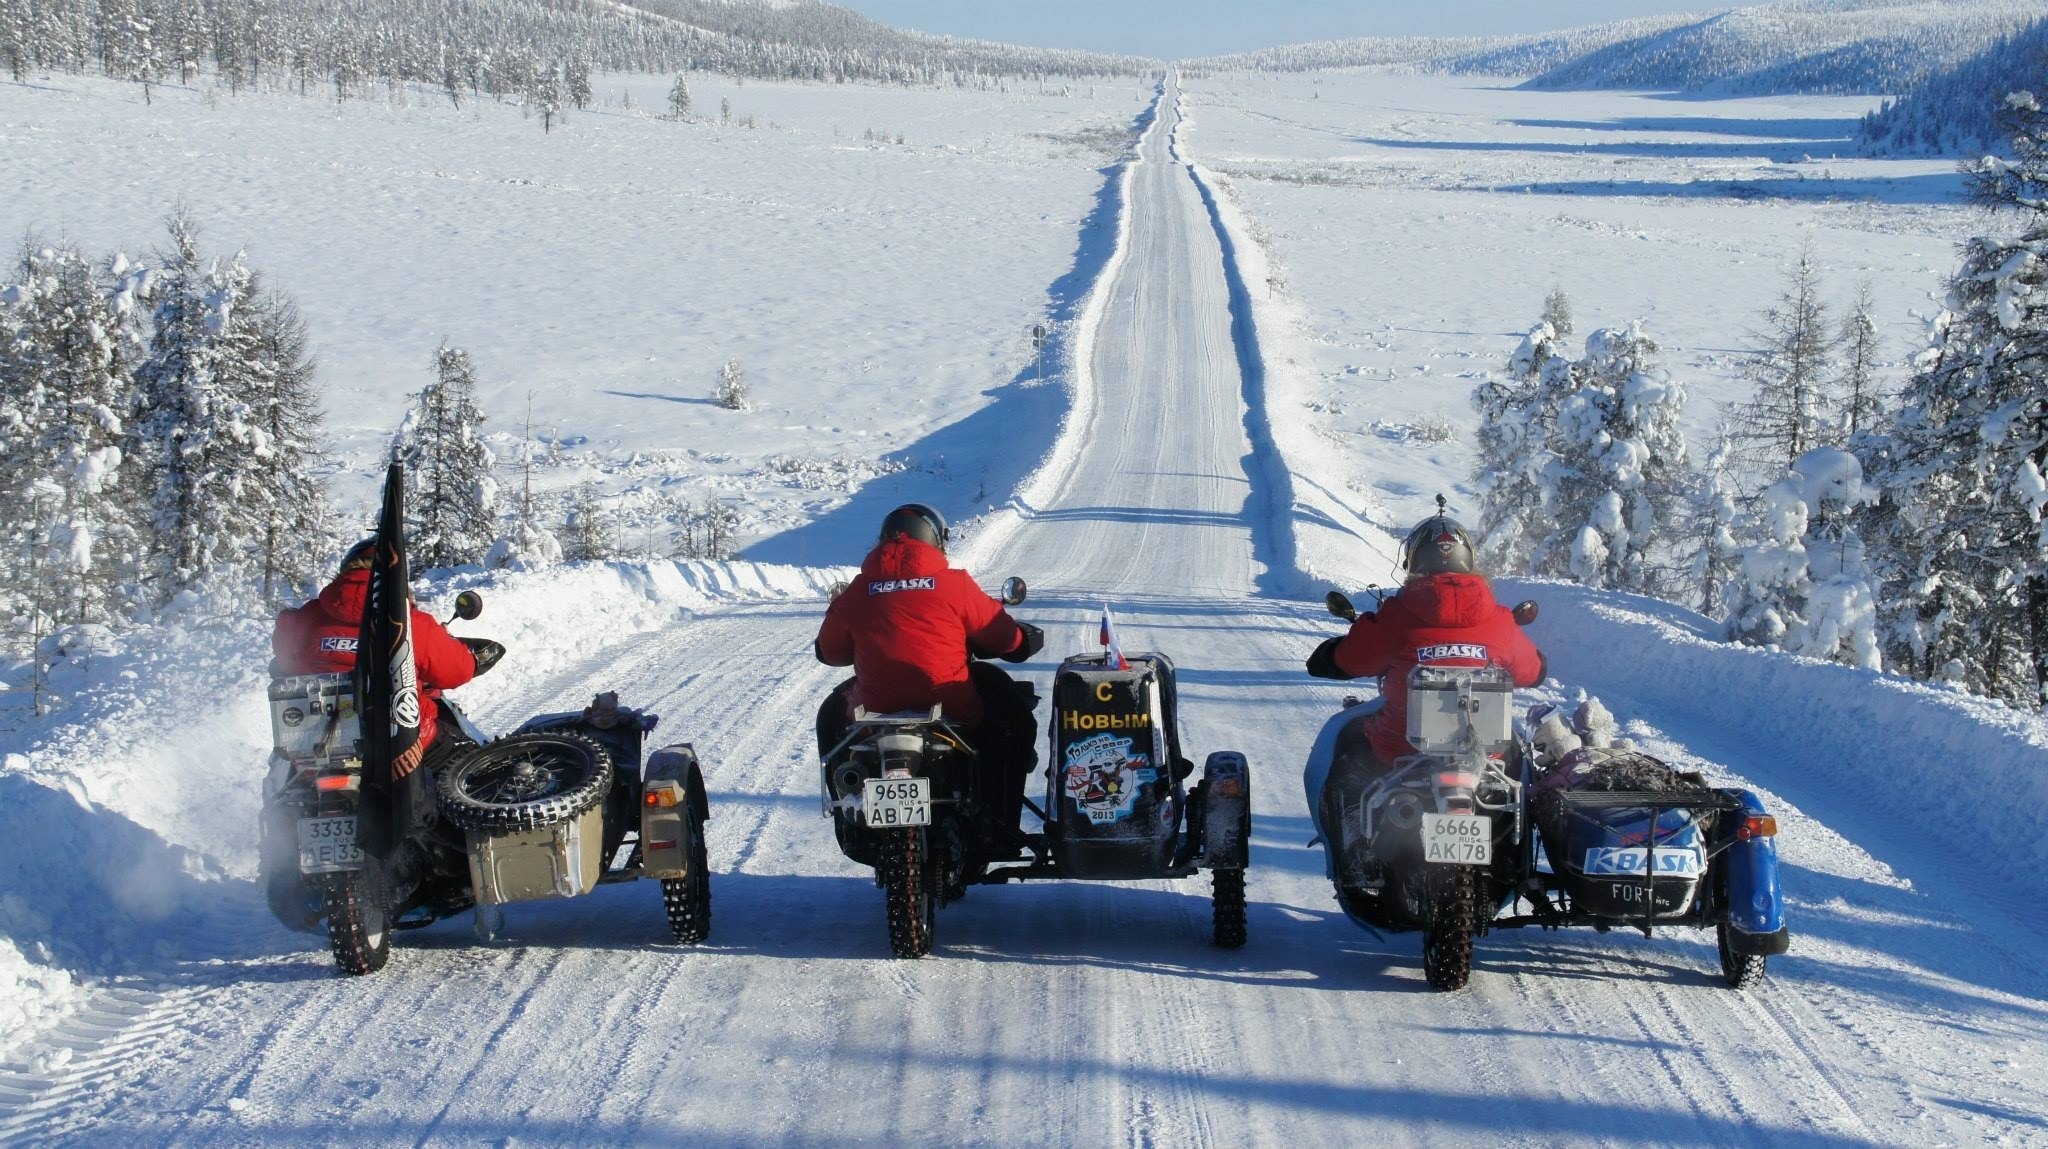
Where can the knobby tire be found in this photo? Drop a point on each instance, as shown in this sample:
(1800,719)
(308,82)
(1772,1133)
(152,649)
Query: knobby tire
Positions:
(1226,893)
(359,920)
(906,883)
(1447,939)
(688,898)
(1740,971)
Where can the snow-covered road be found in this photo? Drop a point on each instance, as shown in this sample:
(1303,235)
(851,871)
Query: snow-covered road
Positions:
(1082,1014)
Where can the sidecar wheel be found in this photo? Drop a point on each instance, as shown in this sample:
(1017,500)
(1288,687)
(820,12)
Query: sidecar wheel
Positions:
(359,920)
(1447,939)
(524,782)
(688,898)
(1739,970)
(1227,908)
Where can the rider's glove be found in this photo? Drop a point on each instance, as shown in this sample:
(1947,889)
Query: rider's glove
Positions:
(1032,642)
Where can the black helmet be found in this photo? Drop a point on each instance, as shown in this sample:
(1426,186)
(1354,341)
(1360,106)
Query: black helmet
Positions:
(920,522)
(1438,544)
(360,556)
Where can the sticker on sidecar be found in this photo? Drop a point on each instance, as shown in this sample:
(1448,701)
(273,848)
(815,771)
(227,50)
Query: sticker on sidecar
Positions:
(1102,775)
(1674,862)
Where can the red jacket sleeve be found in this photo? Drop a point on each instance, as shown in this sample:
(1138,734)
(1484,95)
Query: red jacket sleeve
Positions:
(443,661)
(1513,650)
(990,629)
(1367,650)
(834,644)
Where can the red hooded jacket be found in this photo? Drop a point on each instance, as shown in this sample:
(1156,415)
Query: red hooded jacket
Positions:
(320,638)
(905,626)
(1446,619)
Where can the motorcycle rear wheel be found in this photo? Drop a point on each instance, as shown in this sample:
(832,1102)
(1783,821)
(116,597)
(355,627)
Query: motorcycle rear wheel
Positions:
(525,782)
(359,920)
(912,896)
(688,898)
(1447,939)
(1739,970)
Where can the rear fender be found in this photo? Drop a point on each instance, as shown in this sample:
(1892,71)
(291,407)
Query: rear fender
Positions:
(1753,902)
(672,808)
(1226,811)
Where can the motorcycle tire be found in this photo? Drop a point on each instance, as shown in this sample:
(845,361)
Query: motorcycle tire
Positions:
(688,898)
(1226,899)
(524,782)
(359,920)
(912,895)
(1447,939)
(1739,970)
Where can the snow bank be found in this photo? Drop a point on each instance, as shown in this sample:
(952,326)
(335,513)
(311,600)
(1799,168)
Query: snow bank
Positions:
(1334,538)
(1966,776)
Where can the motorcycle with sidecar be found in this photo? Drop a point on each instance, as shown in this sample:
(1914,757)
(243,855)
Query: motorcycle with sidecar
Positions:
(566,802)
(900,789)
(1467,830)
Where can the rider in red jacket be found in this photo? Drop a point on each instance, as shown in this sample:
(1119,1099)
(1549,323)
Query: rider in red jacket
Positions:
(1444,615)
(320,638)
(908,626)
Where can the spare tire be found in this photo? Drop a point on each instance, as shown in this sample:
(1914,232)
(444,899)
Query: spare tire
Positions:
(525,782)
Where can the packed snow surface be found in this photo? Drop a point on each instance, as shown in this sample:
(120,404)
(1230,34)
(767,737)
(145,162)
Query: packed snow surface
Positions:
(1256,368)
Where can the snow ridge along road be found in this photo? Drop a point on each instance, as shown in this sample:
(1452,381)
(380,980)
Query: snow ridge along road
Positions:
(1062,1014)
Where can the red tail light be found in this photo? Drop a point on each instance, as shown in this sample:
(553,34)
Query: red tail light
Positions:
(1757,826)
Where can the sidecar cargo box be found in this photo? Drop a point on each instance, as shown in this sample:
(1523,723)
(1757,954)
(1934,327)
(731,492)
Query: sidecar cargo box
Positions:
(560,861)
(1113,793)
(1436,703)
(313,717)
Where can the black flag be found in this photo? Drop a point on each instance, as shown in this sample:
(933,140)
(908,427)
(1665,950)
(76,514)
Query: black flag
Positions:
(387,682)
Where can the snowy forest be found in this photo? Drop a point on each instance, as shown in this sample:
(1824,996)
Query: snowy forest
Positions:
(518,49)
(1901,532)
(162,432)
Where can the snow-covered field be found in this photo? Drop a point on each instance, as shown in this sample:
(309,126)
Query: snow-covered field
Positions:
(1248,392)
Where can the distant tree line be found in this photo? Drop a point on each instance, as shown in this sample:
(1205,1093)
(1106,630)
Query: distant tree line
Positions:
(504,48)
(1890,531)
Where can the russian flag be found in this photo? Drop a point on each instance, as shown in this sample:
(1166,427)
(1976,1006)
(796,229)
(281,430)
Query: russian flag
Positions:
(1109,639)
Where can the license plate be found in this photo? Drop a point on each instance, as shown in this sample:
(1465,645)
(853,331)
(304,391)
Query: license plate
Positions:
(1457,839)
(890,802)
(327,844)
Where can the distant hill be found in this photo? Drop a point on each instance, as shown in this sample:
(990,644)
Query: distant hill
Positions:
(1794,47)
(1954,112)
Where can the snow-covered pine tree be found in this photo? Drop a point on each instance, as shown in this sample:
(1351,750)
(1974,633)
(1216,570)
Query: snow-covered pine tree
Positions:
(1557,311)
(732,387)
(200,433)
(679,99)
(579,82)
(527,545)
(293,526)
(66,402)
(17,38)
(1804,584)
(1515,420)
(1791,411)
(1857,387)
(1615,475)
(1961,539)
(590,532)
(452,519)
(1706,549)
(547,95)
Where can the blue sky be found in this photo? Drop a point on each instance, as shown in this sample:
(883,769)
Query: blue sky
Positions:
(1180,28)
